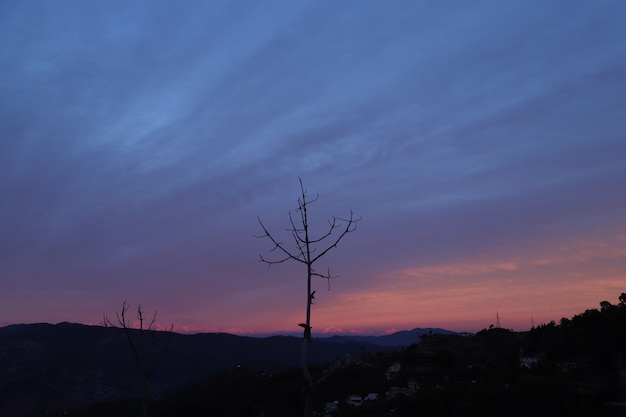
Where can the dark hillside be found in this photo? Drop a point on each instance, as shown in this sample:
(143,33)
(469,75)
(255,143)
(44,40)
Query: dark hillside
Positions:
(400,338)
(46,367)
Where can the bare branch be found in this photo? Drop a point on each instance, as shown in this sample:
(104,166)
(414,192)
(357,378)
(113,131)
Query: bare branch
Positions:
(277,245)
(326,276)
(350,227)
(152,325)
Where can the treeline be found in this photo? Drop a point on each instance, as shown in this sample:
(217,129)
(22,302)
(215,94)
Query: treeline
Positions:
(595,338)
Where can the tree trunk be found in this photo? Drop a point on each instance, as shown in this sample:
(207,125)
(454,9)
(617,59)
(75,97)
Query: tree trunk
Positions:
(308,384)
(144,399)
(308,387)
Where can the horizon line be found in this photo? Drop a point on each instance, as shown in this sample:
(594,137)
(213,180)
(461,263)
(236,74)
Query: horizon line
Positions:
(192,330)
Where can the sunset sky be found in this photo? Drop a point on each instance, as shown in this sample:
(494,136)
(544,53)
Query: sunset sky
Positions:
(482,143)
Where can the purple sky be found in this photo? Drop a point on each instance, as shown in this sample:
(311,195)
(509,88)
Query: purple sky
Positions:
(483,144)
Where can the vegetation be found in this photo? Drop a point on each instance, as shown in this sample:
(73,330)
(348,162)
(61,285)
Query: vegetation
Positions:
(147,345)
(308,250)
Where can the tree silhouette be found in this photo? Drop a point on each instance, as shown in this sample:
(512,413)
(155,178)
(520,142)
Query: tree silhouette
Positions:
(148,345)
(308,250)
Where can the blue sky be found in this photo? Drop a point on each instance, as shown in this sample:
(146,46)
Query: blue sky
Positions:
(482,143)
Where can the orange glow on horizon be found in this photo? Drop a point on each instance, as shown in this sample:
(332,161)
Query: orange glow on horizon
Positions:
(532,286)
(536,284)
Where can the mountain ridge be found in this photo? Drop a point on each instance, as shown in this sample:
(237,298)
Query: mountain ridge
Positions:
(47,366)
(399,338)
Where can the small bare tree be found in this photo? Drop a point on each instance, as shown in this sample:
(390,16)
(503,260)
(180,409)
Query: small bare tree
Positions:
(308,250)
(148,345)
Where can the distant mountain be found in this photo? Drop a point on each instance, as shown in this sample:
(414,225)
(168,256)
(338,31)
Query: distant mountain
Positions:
(45,367)
(401,338)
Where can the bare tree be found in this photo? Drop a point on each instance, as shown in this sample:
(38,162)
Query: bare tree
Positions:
(148,345)
(307,250)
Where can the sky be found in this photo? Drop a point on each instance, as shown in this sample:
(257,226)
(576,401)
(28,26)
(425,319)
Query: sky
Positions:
(482,144)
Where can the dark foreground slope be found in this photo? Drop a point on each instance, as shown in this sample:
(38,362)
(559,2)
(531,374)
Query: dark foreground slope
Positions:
(45,368)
